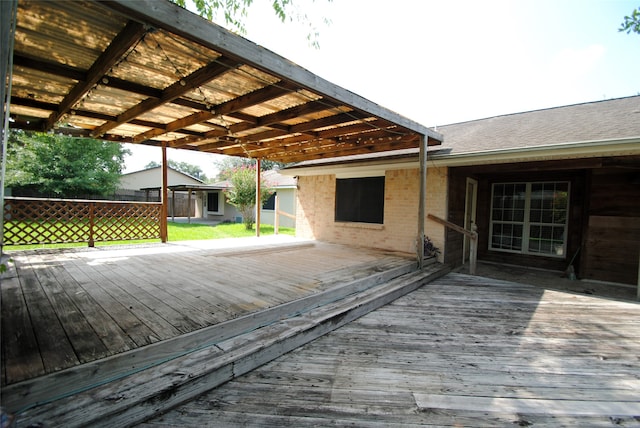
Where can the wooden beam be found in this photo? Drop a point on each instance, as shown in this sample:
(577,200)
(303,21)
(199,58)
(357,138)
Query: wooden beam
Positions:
(131,34)
(422,198)
(165,185)
(324,122)
(258,198)
(244,101)
(62,70)
(178,88)
(280,116)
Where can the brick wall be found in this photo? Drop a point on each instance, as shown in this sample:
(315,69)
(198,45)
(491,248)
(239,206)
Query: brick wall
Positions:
(316,206)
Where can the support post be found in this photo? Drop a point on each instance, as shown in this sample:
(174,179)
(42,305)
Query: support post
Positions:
(8,16)
(258,199)
(189,206)
(422,200)
(276,214)
(473,249)
(173,205)
(92,225)
(164,196)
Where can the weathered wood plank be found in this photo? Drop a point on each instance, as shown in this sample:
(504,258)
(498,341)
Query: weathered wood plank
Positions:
(528,405)
(577,354)
(114,339)
(20,354)
(160,327)
(55,348)
(185,377)
(119,312)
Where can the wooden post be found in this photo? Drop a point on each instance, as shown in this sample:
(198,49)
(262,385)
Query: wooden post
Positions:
(276,214)
(258,204)
(173,205)
(473,249)
(473,239)
(164,196)
(8,14)
(422,200)
(92,208)
(189,206)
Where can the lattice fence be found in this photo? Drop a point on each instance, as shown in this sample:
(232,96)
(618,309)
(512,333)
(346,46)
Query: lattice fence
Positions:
(47,221)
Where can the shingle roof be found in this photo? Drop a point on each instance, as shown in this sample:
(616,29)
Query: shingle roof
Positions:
(609,120)
(596,121)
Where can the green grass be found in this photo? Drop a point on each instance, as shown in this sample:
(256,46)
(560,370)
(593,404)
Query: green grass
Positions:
(176,232)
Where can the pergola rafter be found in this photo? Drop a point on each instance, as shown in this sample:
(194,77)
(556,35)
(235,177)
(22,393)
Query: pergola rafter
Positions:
(156,74)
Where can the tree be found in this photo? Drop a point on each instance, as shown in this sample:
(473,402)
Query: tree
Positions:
(229,164)
(631,22)
(63,166)
(235,12)
(242,193)
(184,167)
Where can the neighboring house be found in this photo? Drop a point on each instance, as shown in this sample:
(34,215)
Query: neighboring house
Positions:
(152,177)
(208,200)
(285,189)
(546,189)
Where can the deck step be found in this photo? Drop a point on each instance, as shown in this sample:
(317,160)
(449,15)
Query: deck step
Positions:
(171,380)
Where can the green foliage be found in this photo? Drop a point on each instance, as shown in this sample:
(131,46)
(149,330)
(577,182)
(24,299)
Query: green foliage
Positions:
(185,167)
(242,194)
(187,232)
(631,22)
(176,232)
(229,164)
(234,13)
(63,166)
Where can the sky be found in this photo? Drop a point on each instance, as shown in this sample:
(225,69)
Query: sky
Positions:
(439,62)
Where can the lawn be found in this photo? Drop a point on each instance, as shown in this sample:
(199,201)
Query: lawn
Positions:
(177,232)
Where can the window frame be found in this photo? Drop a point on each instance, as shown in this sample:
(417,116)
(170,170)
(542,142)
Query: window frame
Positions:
(527,223)
(221,202)
(339,214)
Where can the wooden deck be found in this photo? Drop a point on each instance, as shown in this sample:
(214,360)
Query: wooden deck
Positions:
(62,309)
(460,351)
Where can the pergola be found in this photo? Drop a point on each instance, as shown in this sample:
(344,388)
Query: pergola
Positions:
(150,72)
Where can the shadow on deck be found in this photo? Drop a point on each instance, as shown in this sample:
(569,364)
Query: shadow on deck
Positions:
(115,335)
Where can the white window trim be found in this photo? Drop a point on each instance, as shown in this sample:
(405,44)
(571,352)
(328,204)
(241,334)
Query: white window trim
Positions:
(526,223)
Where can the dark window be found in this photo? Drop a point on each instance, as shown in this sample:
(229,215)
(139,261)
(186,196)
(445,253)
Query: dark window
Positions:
(360,200)
(213,204)
(270,204)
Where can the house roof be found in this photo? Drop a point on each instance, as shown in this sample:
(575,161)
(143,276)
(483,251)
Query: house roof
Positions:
(159,168)
(276,180)
(615,119)
(151,72)
(610,127)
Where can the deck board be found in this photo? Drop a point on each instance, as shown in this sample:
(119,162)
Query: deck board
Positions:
(524,356)
(69,307)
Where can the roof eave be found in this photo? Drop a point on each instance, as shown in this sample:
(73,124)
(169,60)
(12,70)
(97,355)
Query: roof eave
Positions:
(581,149)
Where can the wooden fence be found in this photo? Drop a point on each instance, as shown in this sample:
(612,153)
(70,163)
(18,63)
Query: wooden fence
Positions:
(47,221)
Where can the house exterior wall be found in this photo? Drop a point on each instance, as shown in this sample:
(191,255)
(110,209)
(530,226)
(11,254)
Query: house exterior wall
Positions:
(230,214)
(287,203)
(315,212)
(604,215)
